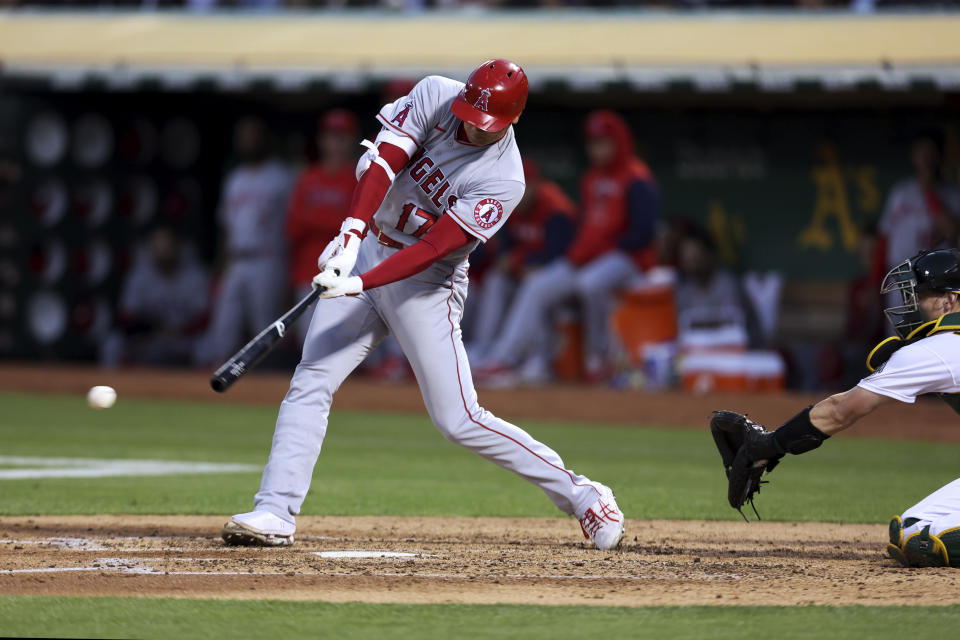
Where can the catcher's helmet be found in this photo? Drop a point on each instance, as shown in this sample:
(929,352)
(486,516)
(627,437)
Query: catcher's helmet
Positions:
(927,271)
(495,94)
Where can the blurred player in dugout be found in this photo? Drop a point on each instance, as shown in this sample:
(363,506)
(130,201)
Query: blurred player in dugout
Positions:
(321,201)
(540,231)
(162,308)
(619,209)
(923,211)
(252,216)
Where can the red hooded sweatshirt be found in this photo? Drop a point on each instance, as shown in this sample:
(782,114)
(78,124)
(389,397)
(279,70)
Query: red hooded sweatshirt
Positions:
(619,200)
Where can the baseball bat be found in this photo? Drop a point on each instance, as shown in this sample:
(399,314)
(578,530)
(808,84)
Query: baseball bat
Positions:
(257,349)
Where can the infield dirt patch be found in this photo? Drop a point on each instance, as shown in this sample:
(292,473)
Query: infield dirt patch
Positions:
(466,560)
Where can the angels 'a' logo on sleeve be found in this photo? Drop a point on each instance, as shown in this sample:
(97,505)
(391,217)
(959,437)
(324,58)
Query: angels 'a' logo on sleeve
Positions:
(482,101)
(401,117)
(488,212)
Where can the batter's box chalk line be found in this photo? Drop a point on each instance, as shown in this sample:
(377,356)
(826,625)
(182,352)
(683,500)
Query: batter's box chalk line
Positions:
(33,468)
(96,544)
(137,566)
(371,554)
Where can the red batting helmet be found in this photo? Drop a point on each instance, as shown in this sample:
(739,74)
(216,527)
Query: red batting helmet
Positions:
(495,94)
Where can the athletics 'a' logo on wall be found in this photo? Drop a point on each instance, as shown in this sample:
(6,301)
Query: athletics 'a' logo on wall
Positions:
(482,101)
(488,212)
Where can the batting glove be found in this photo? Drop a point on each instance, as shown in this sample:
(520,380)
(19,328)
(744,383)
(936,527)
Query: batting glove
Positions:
(335,285)
(340,254)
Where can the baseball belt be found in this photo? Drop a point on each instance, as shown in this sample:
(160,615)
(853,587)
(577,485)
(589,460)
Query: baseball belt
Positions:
(383,238)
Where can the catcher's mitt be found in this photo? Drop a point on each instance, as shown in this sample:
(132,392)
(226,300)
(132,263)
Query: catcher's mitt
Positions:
(748,450)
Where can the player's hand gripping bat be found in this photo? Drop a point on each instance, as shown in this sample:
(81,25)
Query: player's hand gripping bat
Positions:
(257,349)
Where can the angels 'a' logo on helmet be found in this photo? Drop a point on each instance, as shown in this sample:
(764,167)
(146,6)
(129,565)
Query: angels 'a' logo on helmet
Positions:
(488,212)
(482,100)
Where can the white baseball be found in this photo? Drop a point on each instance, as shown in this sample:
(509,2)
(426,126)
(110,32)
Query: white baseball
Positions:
(101,397)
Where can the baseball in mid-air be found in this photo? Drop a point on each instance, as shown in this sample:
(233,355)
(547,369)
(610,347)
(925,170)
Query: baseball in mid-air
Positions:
(101,397)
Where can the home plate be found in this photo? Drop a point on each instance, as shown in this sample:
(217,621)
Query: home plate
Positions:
(368,554)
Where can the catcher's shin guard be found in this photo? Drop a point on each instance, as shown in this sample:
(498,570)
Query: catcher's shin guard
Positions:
(896,531)
(895,546)
(924,549)
(950,539)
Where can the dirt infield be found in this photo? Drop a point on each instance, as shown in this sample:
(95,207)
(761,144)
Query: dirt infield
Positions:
(928,419)
(465,560)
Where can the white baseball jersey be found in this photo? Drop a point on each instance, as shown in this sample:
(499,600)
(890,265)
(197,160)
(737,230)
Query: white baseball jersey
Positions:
(931,365)
(907,222)
(477,186)
(253,209)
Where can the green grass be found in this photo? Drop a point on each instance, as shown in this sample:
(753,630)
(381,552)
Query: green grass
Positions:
(400,465)
(183,619)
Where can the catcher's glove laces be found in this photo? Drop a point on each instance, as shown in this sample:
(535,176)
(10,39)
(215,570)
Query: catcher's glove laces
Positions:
(752,506)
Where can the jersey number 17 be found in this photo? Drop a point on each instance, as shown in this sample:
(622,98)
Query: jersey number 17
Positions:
(422,218)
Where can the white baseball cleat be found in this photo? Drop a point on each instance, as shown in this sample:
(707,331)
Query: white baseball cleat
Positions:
(258,529)
(603,521)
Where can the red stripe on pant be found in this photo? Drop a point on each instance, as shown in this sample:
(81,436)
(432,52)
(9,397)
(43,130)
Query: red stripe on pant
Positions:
(483,426)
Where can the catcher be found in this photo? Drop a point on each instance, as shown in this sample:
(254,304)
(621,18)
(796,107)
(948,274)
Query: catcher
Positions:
(923,358)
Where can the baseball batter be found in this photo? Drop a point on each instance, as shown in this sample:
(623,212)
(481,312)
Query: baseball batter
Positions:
(443,175)
(923,358)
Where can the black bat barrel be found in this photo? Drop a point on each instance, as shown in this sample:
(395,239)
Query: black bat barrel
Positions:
(257,349)
(247,358)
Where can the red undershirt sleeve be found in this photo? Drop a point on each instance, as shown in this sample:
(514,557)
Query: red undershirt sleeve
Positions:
(374,183)
(440,240)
